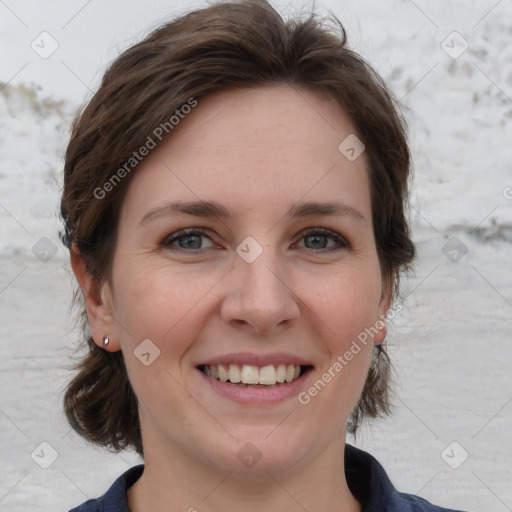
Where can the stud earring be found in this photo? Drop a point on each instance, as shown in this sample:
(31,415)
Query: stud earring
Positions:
(105,341)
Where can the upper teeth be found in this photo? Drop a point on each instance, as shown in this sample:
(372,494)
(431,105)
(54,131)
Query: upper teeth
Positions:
(249,374)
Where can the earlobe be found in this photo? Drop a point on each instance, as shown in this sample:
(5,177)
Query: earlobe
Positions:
(382,330)
(99,307)
(384,305)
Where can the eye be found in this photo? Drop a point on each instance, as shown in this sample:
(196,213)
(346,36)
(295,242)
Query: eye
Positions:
(187,239)
(317,238)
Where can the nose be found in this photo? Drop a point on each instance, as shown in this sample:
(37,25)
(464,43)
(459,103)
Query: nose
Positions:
(260,298)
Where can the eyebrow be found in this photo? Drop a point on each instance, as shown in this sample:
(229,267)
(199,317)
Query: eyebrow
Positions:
(213,209)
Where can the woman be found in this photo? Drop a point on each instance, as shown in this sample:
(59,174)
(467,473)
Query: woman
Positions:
(234,209)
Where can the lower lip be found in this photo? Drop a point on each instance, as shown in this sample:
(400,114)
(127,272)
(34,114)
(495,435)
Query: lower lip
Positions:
(257,396)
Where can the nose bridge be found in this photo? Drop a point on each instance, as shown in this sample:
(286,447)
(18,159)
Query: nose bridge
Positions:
(259,296)
(262,276)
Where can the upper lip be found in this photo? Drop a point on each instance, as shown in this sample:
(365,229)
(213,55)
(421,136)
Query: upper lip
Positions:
(252,359)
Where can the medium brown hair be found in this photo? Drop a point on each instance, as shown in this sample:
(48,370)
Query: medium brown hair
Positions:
(231,44)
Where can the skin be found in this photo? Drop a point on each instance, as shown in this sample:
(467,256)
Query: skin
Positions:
(256,151)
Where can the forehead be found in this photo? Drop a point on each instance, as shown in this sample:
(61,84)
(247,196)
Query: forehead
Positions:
(266,116)
(251,147)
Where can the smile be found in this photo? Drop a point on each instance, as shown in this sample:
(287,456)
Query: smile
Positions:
(246,375)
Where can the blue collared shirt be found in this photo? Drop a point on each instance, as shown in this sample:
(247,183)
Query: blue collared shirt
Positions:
(366,479)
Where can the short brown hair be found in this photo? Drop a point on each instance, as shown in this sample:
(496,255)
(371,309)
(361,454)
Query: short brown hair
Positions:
(231,44)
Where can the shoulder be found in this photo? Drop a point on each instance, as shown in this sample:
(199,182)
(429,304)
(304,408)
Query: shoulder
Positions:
(371,485)
(410,503)
(114,500)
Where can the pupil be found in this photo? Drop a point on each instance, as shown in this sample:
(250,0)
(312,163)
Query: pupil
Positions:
(316,239)
(191,238)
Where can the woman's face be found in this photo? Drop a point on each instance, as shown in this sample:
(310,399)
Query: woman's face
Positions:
(281,283)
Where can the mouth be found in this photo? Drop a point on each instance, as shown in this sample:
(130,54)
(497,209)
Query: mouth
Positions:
(255,377)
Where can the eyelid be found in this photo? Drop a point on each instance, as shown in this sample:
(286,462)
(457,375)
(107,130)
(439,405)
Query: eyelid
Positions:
(340,239)
(176,235)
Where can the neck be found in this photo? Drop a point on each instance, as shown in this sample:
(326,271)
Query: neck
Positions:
(175,481)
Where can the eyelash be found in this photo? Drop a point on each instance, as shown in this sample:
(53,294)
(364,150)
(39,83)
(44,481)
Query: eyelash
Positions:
(342,243)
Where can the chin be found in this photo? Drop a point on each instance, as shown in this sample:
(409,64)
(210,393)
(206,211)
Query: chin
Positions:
(258,452)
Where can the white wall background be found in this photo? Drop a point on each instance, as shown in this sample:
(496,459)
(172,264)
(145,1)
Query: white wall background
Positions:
(451,344)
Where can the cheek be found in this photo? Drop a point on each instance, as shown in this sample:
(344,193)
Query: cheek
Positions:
(159,303)
(348,302)
(154,304)
(348,309)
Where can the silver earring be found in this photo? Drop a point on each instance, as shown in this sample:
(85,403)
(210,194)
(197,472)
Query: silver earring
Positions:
(105,341)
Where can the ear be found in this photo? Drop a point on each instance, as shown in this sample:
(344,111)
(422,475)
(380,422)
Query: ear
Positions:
(98,300)
(384,305)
